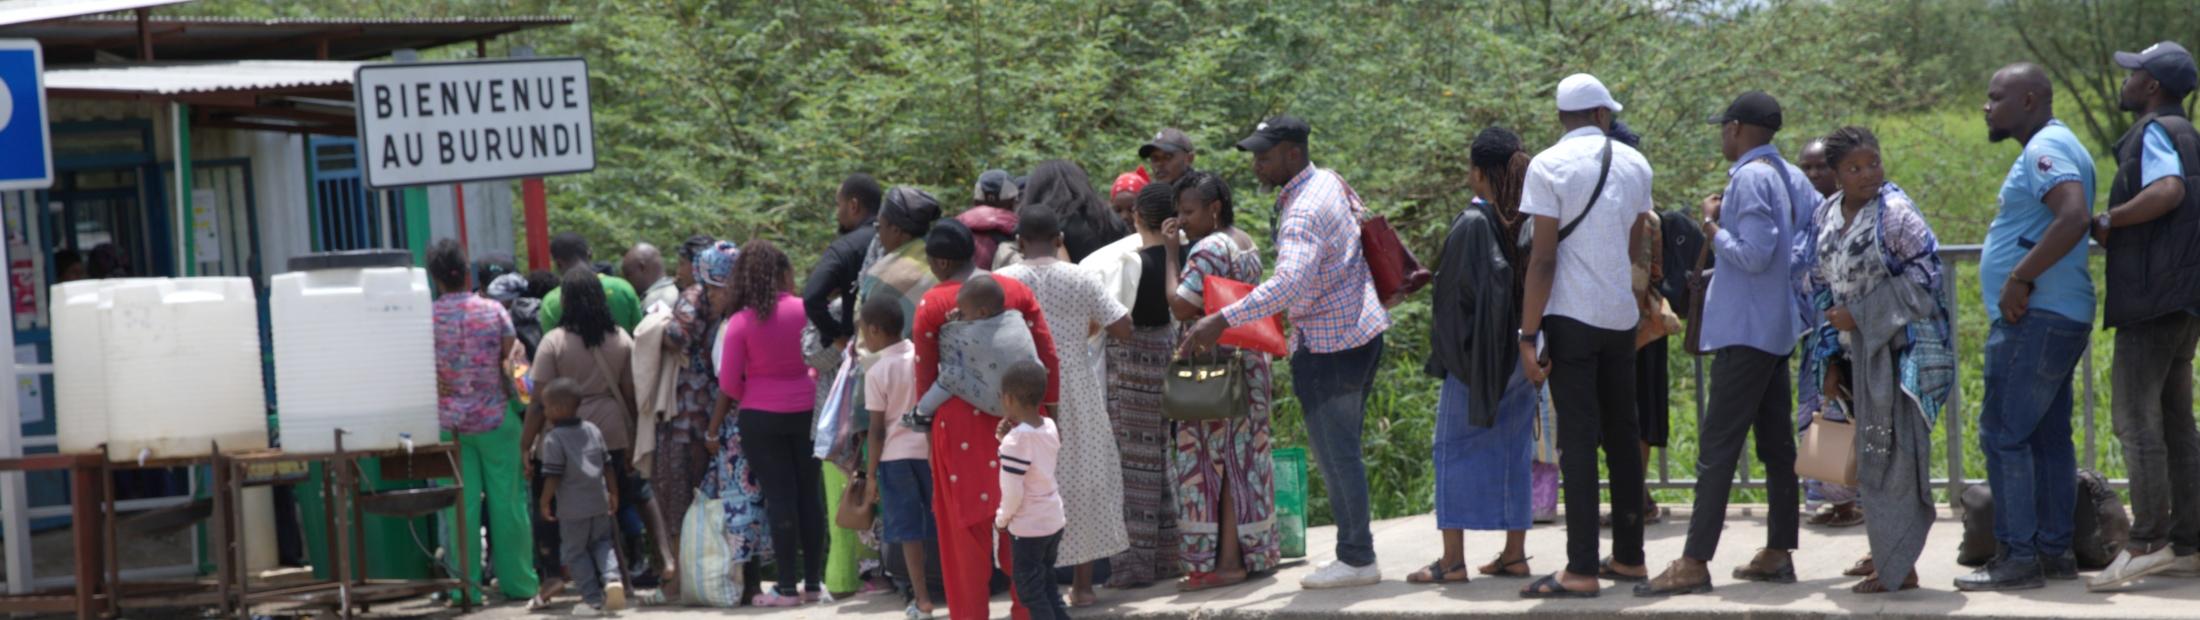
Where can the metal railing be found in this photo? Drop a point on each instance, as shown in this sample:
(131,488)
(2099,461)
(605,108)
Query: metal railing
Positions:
(1951,477)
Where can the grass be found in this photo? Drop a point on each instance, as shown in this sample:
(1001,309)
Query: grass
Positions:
(1941,158)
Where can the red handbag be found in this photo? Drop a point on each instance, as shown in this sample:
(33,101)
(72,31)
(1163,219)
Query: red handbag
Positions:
(1265,335)
(1396,271)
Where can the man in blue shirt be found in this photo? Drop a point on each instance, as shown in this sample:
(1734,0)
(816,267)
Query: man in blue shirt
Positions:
(2150,304)
(2034,269)
(1749,318)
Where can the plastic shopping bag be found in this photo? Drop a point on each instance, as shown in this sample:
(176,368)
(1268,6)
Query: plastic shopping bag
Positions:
(1291,489)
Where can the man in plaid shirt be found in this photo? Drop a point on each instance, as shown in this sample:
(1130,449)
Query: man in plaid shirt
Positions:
(1321,282)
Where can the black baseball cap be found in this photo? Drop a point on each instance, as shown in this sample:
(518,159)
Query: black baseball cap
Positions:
(1752,108)
(1275,130)
(1168,139)
(2167,62)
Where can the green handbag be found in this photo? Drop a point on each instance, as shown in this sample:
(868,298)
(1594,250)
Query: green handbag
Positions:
(1212,388)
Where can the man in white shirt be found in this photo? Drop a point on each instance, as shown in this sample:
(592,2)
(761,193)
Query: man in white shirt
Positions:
(1590,196)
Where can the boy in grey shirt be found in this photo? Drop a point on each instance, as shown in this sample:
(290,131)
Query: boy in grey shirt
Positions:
(575,496)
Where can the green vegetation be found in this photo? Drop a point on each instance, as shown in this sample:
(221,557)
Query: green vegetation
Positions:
(738,118)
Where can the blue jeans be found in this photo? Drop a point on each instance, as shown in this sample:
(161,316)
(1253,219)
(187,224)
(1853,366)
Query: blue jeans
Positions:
(1332,391)
(2024,430)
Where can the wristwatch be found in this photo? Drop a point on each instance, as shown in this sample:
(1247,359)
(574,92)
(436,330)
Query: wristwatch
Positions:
(1528,337)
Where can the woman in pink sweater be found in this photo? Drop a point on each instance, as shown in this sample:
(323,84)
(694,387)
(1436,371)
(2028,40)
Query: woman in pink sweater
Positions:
(763,374)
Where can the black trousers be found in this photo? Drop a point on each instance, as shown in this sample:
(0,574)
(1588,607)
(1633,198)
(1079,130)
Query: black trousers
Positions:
(1593,388)
(1749,393)
(1036,586)
(777,446)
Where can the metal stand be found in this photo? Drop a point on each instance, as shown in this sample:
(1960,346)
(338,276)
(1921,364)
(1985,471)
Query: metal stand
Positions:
(101,593)
(348,590)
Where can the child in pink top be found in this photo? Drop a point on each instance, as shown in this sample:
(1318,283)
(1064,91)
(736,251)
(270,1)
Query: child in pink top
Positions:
(1031,504)
(900,482)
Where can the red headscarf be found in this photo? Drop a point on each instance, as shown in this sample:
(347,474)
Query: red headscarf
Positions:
(1130,182)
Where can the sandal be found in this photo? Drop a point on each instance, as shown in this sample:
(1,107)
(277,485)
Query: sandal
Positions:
(538,603)
(1840,515)
(1871,585)
(1436,573)
(1862,568)
(1604,571)
(1550,587)
(1499,567)
(1206,581)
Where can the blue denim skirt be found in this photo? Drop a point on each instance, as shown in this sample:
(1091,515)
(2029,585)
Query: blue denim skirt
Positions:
(1482,474)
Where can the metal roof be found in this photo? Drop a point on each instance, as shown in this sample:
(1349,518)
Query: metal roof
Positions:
(83,39)
(168,79)
(26,11)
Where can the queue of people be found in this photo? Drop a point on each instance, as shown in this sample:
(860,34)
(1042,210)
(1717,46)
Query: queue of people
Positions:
(1010,368)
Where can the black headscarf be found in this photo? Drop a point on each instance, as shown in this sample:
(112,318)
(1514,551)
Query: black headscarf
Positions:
(950,240)
(910,209)
(1062,188)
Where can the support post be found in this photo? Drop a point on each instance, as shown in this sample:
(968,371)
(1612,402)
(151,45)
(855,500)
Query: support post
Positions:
(538,223)
(186,221)
(15,523)
(458,199)
(417,228)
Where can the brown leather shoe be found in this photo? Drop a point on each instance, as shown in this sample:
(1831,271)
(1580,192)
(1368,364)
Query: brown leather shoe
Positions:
(1683,576)
(1770,565)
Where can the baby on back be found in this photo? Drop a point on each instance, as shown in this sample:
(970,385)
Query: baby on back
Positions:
(980,341)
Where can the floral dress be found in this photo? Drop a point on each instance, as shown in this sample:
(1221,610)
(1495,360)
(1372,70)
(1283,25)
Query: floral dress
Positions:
(1227,456)
(469,374)
(1090,473)
(681,470)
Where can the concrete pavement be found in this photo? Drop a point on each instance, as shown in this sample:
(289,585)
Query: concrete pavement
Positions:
(1409,543)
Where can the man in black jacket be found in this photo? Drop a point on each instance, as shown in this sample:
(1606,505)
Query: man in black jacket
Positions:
(2151,235)
(834,277)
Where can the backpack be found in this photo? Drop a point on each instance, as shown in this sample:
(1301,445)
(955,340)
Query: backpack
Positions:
(2102,525)
(1682,241)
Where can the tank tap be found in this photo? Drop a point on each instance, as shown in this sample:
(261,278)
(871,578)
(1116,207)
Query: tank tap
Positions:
(406,439)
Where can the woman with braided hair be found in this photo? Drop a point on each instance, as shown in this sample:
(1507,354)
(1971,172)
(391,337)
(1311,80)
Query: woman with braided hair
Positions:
(1486,414)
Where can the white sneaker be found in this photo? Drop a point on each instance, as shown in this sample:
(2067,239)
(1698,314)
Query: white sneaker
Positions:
(614,596)
(2185,567)
(1338,574)
(585,610)
(2127,568)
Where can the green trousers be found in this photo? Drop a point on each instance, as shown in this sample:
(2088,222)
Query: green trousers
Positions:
(492,466)
(843,562)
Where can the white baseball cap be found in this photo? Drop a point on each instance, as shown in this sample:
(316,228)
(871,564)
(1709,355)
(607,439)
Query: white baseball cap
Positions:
(1582,91)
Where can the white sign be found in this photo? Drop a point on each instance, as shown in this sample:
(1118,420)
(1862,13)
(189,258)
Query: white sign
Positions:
(453,122)
(30,392)
(206,224)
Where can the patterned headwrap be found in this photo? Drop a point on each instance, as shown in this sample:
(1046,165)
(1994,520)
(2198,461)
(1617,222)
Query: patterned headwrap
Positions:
(1130,182)
(910,209)
(714,264)
(507,287)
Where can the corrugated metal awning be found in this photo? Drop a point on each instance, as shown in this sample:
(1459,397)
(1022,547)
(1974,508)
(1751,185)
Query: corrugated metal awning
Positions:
(178,37)
(27,11)
(300,96)
(168,79)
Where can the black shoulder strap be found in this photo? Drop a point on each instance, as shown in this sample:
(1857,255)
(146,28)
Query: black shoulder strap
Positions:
(1604,172)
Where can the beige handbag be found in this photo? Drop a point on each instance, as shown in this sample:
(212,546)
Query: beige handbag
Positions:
(1827,452)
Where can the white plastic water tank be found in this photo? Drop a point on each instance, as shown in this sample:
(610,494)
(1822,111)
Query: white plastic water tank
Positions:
(80,373)
(354,349)
(182,367)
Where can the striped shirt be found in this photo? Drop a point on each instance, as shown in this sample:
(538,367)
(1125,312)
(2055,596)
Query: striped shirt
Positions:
(1320,278)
